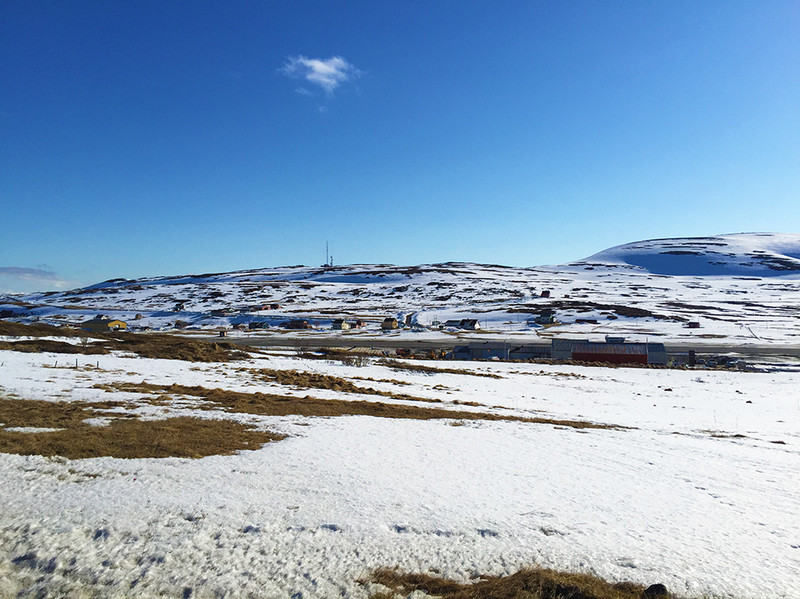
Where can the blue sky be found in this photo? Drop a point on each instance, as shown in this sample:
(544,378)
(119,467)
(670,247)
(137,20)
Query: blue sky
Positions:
(148,138)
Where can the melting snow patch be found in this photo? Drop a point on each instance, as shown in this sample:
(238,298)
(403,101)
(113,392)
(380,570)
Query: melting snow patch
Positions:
(31,429)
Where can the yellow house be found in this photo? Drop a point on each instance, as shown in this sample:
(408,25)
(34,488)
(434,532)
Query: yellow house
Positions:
(389,323)
(103,325)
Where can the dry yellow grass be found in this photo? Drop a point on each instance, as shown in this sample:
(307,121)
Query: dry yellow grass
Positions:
(43,414)
(173,347)
(283,405)
(40,330)
(53,346)
(124,437)
(147,345)
(313,380)
(533,583)
(398,365)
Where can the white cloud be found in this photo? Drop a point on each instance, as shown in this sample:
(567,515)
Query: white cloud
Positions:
(327,74)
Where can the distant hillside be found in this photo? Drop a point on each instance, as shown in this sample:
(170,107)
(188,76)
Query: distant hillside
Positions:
(744,287)
(743,254)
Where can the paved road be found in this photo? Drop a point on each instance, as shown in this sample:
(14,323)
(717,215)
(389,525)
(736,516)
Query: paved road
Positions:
(391,343)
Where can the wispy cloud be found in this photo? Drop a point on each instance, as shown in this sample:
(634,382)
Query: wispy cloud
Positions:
(28,274)
(19,278)
(327,74)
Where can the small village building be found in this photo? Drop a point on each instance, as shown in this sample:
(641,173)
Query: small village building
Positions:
(461,352)
(296,324)
(340,324)
(258,324)
(499,350)
(656,354)
(489,350)
(528,351)
(695,324)
(468,324)
(545,293)
(103,324)
(358,324)
(389,323)
(546,316)
(561,349)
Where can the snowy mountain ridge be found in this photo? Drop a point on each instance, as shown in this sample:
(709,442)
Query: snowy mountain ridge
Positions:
(754,254)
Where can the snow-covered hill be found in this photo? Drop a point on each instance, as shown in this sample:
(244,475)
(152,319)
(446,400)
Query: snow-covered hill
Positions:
(745,254)
(743,287)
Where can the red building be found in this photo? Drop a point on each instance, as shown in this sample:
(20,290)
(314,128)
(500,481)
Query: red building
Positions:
(610,353)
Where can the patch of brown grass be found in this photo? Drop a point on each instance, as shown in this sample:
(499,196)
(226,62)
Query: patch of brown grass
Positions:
(173,347)
(718,435)
(313,380)
(125,437)
(17,329)
(566,375)
(281,405)
(533,583)
(398,365)
(358,357)
(390,381)
(182,437)
(56,347)
(42,414)
(146,345)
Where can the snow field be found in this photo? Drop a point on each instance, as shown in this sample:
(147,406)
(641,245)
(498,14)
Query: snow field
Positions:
(308,516)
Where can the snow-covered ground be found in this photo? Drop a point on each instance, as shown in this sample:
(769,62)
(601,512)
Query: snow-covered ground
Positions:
(742,289)
(699,493)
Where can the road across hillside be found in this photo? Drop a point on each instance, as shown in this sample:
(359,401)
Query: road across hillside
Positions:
(751,352)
